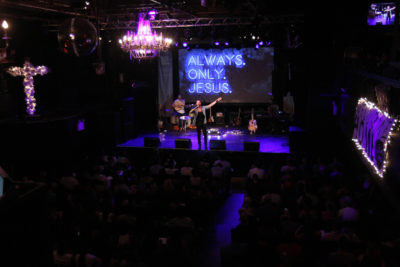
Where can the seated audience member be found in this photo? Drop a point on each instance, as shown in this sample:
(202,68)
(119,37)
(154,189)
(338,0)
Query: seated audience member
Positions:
(170,168)
(217,171)
(187,169)
(255,170)
(156,168)
(347,213)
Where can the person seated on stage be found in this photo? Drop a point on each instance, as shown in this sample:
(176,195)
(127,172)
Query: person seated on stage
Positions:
(179,107)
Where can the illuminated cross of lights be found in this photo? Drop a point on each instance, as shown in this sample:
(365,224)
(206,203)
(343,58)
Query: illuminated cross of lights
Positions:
(28,71)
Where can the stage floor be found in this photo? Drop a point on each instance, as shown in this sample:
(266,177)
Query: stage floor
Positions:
(234,139)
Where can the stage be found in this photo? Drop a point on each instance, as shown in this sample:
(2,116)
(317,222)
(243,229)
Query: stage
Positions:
(234,139)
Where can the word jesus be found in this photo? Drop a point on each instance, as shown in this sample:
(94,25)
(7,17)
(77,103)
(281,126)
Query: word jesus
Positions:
(207,88)
(28,71)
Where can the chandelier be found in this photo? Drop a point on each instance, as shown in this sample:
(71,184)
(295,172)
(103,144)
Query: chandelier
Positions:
(144,43)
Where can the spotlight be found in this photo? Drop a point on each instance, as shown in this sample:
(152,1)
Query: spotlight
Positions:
(257,46)
(216,43)
(268,43)
(152,14)
(253,37)
(184,44)
(4,25)
(226,43)
(261,43)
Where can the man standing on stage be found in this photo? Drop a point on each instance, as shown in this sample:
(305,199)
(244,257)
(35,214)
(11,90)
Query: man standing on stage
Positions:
(200,120)
(179,107)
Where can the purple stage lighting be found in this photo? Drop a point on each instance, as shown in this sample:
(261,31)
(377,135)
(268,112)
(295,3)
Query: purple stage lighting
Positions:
(261,43)
(152,14)
(257,46)
(226,43)
(184,44)
(216,43)
(268,43)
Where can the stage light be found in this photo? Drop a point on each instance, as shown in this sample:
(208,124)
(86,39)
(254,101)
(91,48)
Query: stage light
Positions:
(152,14)
(268,43)
(184,44)
(216,43)
(4,25)
(253,37)
(257,46)
(261,43)
(226,43)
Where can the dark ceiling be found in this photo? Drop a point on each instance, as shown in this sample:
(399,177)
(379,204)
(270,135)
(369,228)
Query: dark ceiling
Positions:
(122,14)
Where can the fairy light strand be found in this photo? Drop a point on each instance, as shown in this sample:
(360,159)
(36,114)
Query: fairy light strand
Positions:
(370,106)
(28,71)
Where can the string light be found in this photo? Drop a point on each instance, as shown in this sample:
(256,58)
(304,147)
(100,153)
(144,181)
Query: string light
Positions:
(370,106)
(28,71)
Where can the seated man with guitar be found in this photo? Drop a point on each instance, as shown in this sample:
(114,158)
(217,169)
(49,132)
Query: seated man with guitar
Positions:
(252,123)
(200,119)
(179,107)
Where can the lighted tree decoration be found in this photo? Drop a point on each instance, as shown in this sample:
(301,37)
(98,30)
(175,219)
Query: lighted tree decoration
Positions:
(28,71)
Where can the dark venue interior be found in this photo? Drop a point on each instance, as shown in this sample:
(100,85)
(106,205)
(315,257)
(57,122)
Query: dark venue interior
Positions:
(199,133)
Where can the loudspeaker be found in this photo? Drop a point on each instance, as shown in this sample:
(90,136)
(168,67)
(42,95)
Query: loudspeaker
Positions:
(217,145)
(183,143)
(151,142)
(251,146)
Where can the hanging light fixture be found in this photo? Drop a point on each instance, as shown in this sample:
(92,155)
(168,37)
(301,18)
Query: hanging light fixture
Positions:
(144,43)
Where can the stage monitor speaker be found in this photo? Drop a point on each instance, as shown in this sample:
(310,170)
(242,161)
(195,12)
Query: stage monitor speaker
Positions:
(183,143)
(251,146)
(151,142)
(217,145)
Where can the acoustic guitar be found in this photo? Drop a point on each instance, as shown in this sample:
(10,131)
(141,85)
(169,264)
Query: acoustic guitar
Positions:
(252,123)
(182,107)
(238,120)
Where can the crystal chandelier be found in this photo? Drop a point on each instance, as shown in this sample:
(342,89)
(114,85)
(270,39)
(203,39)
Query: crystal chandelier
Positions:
(144,43)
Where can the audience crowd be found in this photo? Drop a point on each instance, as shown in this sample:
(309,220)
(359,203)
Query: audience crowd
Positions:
(304,212)
(113,213)
(310,213)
